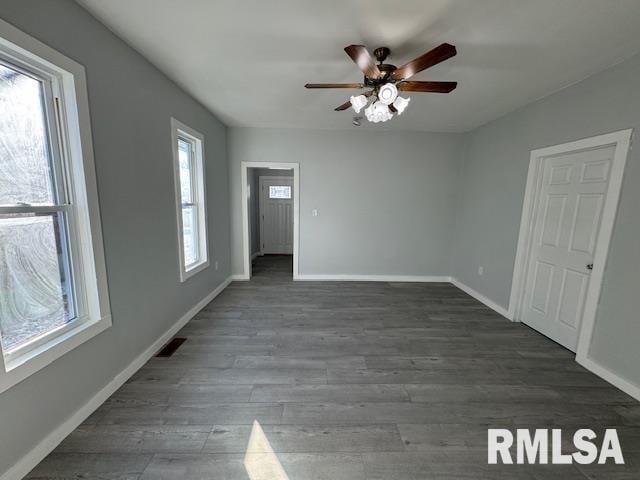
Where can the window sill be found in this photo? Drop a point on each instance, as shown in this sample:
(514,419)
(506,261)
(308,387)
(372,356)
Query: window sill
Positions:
(34,360)
(184,276)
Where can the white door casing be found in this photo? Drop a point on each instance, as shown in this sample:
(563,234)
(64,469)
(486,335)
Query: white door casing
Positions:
(244,208)
(276,215)
(568,215)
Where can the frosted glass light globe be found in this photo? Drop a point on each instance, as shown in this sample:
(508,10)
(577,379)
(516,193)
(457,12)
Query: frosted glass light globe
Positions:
(400,104)
(388,93)
(378,112)
(358,102)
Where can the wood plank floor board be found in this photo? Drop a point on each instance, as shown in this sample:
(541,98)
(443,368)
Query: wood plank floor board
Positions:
(136,439)
(283,380)
(436,393)
(202,414)
(263,466)
(439,465)
(433,362)
(163,395)
(488,413)
(184,360)
(461,376)
(306,439)
(329,393)
(271,361)
(448,437)
(101,466)
(255,376)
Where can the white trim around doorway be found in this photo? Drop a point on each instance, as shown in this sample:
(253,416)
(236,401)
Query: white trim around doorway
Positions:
(246,250)
(622,141)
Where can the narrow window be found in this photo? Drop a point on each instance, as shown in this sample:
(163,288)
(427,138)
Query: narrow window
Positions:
(52,283)
(188,158)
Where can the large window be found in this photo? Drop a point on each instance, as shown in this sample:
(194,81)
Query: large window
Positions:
(35,275)
(188,159)
(52,286)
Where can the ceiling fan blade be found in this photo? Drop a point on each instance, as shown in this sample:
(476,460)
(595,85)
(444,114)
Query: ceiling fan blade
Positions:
(334,85)
(365,61)
(429,59)
(434,87)
(342,107)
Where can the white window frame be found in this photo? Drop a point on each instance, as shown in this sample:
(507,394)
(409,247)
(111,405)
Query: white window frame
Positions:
(67,79)
(180,130)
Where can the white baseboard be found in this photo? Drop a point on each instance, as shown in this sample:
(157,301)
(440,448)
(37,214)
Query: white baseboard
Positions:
(51,441)
(481,298)
(239,277)
(371,278)
(626,386)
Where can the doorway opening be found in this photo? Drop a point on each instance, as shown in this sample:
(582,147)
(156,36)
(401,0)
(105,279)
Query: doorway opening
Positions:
(270,219)
(568,216)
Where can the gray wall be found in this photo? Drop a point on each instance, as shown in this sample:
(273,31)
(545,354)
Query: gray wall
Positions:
(493,185)
(131,103)
(386,200)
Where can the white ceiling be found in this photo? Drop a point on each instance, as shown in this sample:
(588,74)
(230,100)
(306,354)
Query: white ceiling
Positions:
(247,60)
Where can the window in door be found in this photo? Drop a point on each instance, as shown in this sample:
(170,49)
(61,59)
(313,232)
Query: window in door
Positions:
(190,198)
(282,192)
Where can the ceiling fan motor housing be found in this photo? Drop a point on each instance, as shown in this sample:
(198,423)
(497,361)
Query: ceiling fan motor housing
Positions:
(386,71)
(381,54)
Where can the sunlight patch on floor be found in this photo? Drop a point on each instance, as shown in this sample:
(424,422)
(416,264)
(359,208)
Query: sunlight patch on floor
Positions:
(260,460)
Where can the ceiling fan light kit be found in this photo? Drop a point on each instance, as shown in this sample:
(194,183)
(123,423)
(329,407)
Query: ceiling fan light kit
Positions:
(387,80)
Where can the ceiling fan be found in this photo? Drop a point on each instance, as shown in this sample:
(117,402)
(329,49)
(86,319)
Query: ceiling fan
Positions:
(386,81)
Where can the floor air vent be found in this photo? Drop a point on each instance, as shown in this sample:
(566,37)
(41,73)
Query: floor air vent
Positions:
(171,347)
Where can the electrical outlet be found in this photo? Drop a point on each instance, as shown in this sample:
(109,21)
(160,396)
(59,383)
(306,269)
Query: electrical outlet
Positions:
(314,212)
(216,264)
(480,271)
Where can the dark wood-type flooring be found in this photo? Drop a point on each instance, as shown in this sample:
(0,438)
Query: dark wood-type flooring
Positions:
(344,381)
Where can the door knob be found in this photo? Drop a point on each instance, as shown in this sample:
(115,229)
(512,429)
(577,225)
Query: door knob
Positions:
(590,266)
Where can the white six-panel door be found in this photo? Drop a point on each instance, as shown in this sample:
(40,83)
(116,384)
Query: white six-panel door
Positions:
(567,221)
(276,215)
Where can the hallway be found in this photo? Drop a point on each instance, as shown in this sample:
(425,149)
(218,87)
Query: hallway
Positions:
(343,381)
